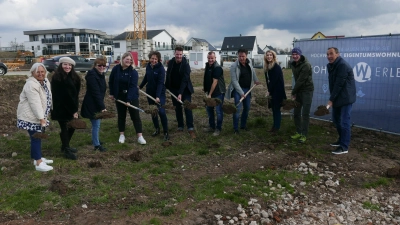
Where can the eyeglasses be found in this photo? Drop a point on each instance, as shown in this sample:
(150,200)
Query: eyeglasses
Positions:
(101,65)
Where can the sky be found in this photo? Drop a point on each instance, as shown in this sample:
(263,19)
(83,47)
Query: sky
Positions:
(275,23)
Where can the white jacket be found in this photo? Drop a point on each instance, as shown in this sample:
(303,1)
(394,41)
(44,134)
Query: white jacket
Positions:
(33,101)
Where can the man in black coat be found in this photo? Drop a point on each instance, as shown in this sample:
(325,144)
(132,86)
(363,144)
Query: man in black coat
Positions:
(179,83)
(342,88)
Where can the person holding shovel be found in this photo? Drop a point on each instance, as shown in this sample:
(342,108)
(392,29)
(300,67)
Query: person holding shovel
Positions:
(214,87)
(303,93)
(65,87)
(276,87)
(93,102)
(154,81)
(243,78)
(179,84)
(33,111)
(123,84)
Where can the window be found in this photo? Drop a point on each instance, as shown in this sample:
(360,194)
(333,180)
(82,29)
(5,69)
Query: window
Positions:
(38,47)
(33,48)
(163,44)
(158,44)
(117,45)
(68,35)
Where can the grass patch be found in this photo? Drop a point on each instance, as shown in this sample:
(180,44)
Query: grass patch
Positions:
(370,206)
(382,181)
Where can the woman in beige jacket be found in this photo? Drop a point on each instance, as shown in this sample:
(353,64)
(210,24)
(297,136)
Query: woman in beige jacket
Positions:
(33,109)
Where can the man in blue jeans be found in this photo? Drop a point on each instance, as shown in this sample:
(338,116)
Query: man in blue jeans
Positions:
(214,87)
(243,77)
(342,88)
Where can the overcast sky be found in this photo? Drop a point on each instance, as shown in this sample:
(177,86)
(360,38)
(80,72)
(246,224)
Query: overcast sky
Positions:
(274,23)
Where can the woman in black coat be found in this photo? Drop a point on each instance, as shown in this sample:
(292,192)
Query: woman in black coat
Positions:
(93,102)
(154,81)
(65,88)
(276,87)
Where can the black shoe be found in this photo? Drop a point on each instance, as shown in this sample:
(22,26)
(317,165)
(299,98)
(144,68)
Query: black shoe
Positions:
(236,132)
(339,150)
(335,144)
(166,137)
(100,148)
(69,154)
(73,150)
(157,132)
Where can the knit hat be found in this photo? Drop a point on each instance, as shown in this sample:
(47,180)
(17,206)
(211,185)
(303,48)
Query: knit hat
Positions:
(296,50)
(66,60)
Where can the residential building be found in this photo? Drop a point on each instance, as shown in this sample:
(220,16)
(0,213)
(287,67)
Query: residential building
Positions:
(320,35)
(197,50)
(231,45)
(85,42)
(157,40)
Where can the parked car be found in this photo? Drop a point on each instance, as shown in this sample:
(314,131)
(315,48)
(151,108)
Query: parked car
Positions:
(82,64)
(3,69)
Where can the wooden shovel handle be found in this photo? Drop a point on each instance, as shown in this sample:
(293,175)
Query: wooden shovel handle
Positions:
(241,99)
(174,96)
(150,97)
(141,110)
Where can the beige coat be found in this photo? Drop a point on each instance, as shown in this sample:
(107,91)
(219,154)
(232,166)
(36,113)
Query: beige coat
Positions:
(33,101)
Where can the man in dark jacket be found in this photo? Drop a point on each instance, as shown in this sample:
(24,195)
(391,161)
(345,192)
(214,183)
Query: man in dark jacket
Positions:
(302,92)
(214,87)
(179,83)
(342,88)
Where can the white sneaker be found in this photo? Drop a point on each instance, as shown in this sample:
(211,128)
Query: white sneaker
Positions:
(121,138)
(47,161)
(141,140)
(43,167)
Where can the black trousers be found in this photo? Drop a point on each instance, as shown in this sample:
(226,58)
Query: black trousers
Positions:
(65,134)
(134,114)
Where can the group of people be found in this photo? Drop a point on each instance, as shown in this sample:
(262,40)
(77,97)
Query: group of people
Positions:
(59,98)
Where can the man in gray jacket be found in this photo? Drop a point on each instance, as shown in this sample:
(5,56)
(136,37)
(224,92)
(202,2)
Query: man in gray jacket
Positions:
(342,87)
(243,77)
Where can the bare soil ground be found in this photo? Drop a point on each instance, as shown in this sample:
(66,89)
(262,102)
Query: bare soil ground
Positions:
(371,152)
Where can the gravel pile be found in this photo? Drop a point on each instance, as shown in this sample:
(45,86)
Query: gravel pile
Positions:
(327,203)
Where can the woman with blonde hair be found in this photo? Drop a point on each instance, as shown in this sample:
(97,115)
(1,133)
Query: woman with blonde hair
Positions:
(33,111)
(276,87)
(123,84)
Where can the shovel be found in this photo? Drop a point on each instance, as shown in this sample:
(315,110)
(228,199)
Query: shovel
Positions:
(186,104)
(139,109)
(41,134)
(230,109)
(322,110)
(76,124)
(149,96)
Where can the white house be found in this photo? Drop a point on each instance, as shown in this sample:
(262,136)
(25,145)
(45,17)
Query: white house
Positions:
(157,40)
(198,51)
(86,42)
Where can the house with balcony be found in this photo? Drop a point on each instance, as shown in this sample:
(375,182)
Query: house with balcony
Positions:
(157,40)
(85,42)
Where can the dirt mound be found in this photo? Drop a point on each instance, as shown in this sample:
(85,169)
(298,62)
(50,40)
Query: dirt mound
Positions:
(59,187)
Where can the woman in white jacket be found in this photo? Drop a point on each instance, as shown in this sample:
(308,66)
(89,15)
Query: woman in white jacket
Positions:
(33,110)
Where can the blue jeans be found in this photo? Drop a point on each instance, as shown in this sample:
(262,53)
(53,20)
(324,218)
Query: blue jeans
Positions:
(36,146)
(246,108)
(276,115)
(220,114)
(95,132)
(341,119)
(178,110)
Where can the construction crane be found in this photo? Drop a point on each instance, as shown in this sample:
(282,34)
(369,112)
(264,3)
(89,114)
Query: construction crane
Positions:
(139,21)
(136,40)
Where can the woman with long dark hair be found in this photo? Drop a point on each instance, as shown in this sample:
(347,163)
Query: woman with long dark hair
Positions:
(123,84)
(276,87)
(93,102)
(65,87)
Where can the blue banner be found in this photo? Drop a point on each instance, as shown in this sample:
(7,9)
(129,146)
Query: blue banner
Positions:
(376,66)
